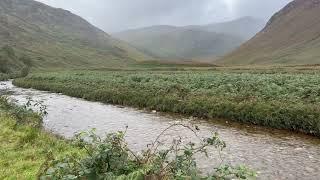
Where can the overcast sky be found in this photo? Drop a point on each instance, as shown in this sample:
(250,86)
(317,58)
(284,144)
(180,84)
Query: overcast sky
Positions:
(118,15)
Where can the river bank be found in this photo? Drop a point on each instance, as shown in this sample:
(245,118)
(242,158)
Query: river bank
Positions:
(24,145)
(284,101)
(28,152)
(273,153)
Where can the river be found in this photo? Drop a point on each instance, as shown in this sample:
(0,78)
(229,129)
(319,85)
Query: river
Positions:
(275,154)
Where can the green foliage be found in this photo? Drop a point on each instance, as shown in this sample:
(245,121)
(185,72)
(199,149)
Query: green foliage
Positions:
(8,51)
(11,65)
(26,60)
(110,158)
(24,71)
(93,157)
(7,54)
(279,100)
(24,146)
(239,172)
(4,64)
(4,77)
(24,114)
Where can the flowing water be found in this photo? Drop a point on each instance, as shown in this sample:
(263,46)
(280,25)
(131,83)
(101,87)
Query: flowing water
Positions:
(275,154)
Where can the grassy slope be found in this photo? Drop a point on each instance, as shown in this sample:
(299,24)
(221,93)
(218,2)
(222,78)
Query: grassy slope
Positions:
(291,37)
(288,101)
(25,148)
(11,64)
(57,38)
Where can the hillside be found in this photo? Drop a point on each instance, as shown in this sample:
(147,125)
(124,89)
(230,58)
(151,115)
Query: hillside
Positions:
(167,42)
(292,36)
(192,42)
(245,27)
(57,38)
(11,63)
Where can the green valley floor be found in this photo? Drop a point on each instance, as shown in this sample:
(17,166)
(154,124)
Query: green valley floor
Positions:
(274,98)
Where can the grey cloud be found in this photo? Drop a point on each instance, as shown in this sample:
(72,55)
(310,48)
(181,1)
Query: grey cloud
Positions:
(117,15)
(258,8)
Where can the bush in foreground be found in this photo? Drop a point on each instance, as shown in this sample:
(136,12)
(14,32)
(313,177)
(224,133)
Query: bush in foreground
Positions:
(110,158)
(28,152)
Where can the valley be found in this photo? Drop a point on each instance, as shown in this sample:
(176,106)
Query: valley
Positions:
(279,100)
(235,97)
(276,151)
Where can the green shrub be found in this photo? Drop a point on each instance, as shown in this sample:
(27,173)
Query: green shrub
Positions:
(110,158)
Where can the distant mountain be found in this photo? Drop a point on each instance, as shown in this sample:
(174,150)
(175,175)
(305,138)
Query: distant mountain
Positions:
(245,27)
(191,42)
(57,38)
(292,36)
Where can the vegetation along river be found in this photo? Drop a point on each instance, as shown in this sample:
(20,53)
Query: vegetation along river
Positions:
(273,153)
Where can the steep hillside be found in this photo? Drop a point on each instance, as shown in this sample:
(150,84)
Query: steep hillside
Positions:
(245,27)
(292,36)
(57,38)
(192,42)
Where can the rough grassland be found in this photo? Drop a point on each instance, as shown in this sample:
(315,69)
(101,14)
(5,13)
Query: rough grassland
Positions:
(280,100)
(24,148)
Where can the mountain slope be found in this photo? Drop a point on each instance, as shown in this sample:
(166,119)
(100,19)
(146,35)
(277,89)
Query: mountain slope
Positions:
(292,36)
(10,63)
(245,27)
(57,38)
(167,42)
(191,42)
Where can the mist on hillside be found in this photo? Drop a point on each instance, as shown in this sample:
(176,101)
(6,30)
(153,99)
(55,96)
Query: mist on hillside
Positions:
(115,16)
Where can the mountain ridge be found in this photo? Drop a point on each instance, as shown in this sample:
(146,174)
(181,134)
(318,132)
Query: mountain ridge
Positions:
(187,42)
(244,27)
(292,36)
(54,37)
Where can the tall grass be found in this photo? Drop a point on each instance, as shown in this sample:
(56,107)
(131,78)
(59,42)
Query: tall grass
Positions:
(24,146)
(286,101)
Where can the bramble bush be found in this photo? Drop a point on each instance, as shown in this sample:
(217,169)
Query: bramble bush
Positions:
(111,158)
(24,114)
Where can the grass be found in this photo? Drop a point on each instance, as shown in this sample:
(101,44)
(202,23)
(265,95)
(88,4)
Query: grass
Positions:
(24,148)
(287,100)
(27,152)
